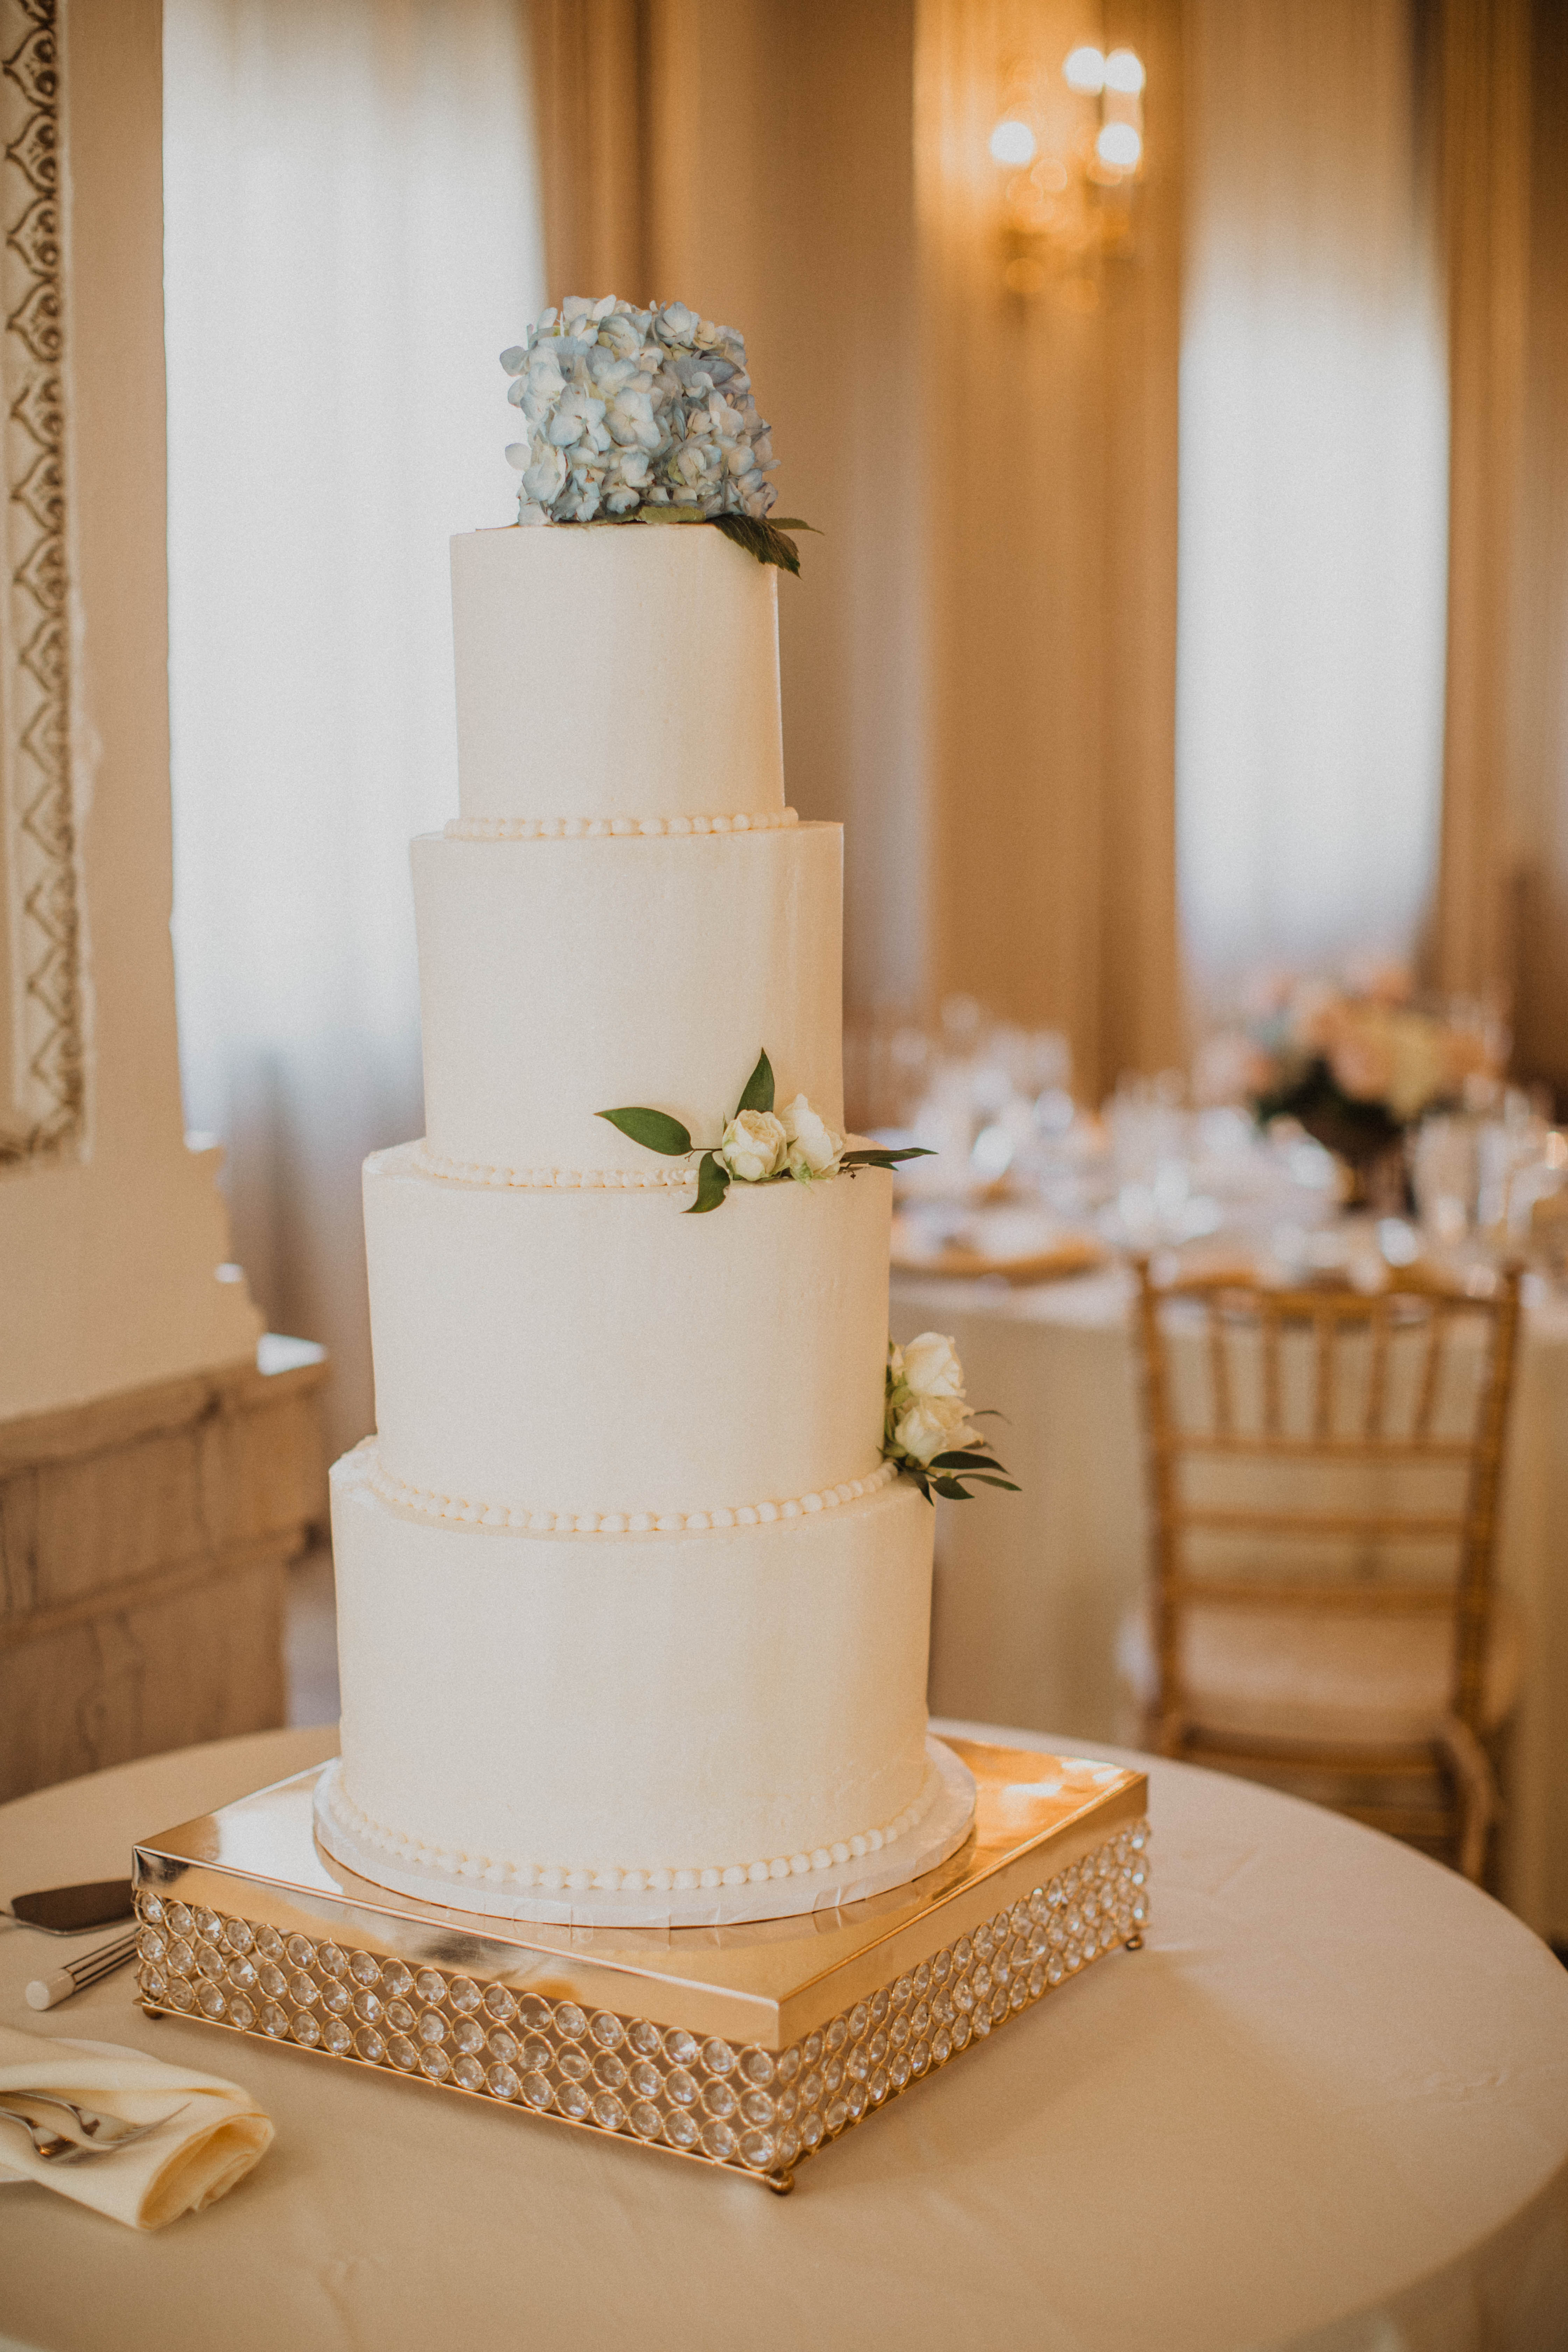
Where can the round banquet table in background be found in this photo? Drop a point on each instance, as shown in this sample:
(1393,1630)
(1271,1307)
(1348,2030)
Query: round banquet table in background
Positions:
(1326,2106)
(1030,1591)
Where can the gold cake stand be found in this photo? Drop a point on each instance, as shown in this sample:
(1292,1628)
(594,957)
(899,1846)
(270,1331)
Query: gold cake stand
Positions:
(743,2047)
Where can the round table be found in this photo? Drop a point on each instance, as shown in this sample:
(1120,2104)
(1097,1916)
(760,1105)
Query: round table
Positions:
(1325,2107)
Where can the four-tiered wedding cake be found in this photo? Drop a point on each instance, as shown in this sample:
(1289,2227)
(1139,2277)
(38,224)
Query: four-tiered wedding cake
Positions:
(633,1612)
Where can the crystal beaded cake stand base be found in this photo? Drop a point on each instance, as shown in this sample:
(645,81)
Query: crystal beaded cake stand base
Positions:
(745,2048)
(941,1832)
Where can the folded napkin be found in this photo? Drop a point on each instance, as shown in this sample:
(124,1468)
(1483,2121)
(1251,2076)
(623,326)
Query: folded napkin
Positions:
(196,2160)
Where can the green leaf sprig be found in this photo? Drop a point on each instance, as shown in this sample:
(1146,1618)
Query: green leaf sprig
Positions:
(768,540)
(655,1130)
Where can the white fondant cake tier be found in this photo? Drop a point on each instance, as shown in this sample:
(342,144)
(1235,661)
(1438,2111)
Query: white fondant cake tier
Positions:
(563,1710)
(593,1351)
(561,977)
(628,671)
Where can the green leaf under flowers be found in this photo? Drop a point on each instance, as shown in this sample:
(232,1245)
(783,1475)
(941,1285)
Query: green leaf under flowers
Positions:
(965,1461)
(880,1159)
(765,540)
(759,1094)
(653,1129)
(713,1183)
(983,1478)
(793,522)
(953,1490)
(666,514)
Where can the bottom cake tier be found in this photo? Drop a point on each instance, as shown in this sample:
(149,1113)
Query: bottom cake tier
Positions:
(534,1717)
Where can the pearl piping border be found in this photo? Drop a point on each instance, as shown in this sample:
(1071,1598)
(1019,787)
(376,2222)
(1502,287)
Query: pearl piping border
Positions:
(426,1503)
(545,1180)
(561,1877)
(599,828)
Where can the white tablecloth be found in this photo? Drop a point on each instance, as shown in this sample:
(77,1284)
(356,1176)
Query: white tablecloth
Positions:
(1326,2107)
(1031,1588)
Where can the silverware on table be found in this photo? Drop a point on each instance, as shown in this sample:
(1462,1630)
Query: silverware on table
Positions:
(59,2148)
(87,1969)
(70,1910)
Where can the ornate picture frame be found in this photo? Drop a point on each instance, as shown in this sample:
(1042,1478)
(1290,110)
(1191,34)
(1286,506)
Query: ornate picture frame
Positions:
(43,1063)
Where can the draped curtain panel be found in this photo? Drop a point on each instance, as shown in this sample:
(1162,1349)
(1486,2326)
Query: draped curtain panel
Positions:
(1539,898)
(1483,116)
(1314,492)
(351,226)
(592,63)
(1050,501)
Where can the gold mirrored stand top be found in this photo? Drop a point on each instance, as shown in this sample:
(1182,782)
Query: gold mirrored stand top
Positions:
(767,1983)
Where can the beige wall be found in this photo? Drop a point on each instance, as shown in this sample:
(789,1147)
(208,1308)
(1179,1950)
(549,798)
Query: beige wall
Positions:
(107,1264)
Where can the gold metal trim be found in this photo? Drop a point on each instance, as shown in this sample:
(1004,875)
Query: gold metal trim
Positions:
(760,2042)
(43,1107)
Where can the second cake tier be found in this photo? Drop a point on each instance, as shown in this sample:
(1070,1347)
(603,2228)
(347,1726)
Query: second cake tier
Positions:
(594,1356)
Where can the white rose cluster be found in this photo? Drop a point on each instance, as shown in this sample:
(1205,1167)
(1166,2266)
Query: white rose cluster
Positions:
(628,408)
(795,1142)
(927,1414)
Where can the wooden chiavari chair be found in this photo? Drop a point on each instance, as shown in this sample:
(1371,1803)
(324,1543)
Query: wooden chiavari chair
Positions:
(1324,1469)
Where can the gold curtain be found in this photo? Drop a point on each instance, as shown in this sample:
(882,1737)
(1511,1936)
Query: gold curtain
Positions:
(1540,898)
(979,664)
(1482,116)
(1051,495)
(590,68)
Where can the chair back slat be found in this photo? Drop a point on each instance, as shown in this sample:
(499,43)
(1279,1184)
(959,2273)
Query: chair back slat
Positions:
(1323,1392)
(1219,1373)
(1377,1375)
(1431,1372)
(1270,1334)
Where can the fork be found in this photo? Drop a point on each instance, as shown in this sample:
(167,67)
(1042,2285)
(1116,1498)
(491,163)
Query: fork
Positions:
(87,2119)
(57,2147)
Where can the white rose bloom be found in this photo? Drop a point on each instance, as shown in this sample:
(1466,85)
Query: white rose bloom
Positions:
(754,1146)
(932,1368)
(814,1148)
(932,1425)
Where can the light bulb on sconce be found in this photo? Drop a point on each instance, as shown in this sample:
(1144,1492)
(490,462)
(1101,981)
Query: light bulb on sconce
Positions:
(1118,146)
(1071,159)
(1124,72)
(1013,144)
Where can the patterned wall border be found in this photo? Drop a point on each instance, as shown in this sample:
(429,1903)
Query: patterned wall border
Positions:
(42,927)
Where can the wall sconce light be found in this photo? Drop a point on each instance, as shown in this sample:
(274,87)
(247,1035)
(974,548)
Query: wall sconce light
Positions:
(1070,142)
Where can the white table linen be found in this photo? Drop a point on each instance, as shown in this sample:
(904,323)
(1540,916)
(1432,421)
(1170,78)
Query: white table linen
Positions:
(1031,1589)
(1325,2108)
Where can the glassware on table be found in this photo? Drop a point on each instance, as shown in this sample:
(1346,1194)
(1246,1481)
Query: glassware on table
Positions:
(1444,1171)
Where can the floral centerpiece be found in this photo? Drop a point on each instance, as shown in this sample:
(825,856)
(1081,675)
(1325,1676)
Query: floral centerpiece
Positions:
(643,416)
(1355,1064)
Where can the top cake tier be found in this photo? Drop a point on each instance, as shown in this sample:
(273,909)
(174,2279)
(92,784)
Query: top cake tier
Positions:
(618,672)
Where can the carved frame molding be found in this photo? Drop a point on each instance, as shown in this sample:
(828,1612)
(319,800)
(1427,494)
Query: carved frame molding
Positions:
(42,994)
